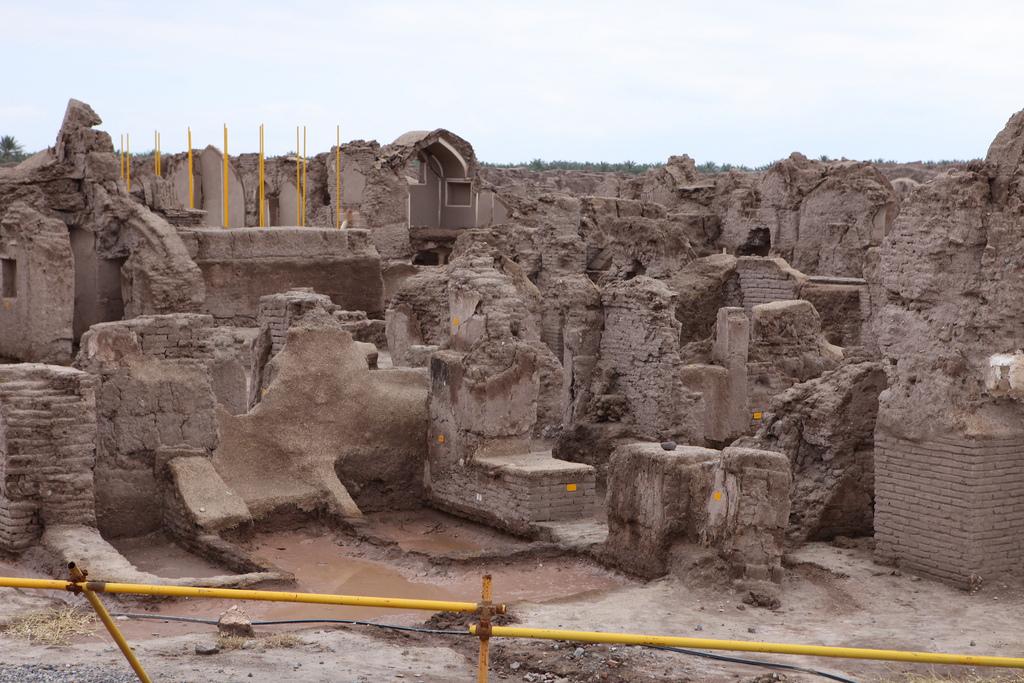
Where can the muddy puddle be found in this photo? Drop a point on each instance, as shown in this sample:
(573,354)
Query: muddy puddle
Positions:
(324,563)
(159,555)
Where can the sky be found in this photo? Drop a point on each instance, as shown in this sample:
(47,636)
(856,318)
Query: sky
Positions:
(584,80)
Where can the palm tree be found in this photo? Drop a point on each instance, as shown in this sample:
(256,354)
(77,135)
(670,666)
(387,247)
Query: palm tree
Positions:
(10,150)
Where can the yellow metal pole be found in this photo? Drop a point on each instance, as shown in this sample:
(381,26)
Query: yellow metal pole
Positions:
(115,633)
(191,190)
(244,594)
(298,181)
(259,195)
(484,630)
(751,646)
(337,179)
(305,166)
(225,175)
(128,160)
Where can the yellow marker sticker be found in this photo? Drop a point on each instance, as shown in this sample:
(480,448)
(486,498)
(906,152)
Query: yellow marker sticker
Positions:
(570,487)
(455,322)
(440,438)
(758,415)
(717,495)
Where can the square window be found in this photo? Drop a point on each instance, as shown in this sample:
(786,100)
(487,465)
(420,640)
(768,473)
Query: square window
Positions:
(9,278)
(459,193)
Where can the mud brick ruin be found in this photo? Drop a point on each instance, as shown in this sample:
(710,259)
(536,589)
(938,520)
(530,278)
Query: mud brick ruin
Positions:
(679,365)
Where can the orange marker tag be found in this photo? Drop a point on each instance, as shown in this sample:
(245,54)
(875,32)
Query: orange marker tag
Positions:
(440,438)
(570,487)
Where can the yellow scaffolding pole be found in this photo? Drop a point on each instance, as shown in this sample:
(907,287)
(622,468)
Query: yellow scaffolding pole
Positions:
(298,181)
(752,646)
(305,177)
(225,175)
(191,189)
(259,197)
(97,605)
(337,178)
(246,594)
(483,630)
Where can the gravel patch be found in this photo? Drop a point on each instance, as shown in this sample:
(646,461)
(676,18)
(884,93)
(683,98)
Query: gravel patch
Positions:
(55,673)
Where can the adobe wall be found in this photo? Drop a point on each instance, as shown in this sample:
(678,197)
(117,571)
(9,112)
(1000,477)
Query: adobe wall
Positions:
(47,451)
(37,268)
(154,401)
(950,508)
(240,266)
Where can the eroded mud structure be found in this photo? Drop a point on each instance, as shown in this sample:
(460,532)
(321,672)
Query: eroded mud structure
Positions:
(657,369)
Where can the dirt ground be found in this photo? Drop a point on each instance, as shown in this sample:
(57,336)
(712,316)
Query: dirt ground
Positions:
(832,595)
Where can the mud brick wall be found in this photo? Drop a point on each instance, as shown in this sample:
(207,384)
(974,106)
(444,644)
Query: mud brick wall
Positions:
(640,343)
(180,335)
(512,497)
(47,450)
(763,280)
(278,311)
(950,509)
(240,266)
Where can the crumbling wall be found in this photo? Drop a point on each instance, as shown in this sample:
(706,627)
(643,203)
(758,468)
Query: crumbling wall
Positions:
(417,319)
(330,437)
(945,432)
(825,427)
(735,501)
(822,217)
(786,347)
(76,182)
(47,451)
(240,266)
(37,301)
(154,401)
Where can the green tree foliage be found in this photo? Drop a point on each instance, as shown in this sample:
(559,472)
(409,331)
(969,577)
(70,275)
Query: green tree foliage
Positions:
(10,150)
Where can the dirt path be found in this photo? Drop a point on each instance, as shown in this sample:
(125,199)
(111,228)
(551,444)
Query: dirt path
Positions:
(831,596)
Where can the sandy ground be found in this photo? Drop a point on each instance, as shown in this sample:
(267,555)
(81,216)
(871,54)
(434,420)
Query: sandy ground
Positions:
(831,596)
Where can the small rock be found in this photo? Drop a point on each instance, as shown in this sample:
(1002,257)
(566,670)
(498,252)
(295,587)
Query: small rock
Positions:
(207,648)
(751,629)
(668,445)
(578,652)
(973,643)
(235,622)
(514,666)
(698,627)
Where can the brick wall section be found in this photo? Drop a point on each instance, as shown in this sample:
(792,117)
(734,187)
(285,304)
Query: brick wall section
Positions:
(763,280)
(515,492)
(278,311)
(47,450)
(168,337)
(950,509)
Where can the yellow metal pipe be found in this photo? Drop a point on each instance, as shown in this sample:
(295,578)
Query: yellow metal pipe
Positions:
(337,179)
(225,175)
(244,594)
(111,627)
(191,191)
(305,177)
(34,584)
(282,596)
(751,646)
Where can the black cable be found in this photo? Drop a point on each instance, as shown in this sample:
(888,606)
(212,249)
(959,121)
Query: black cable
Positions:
(753,662)
(352,622)
(444,632)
